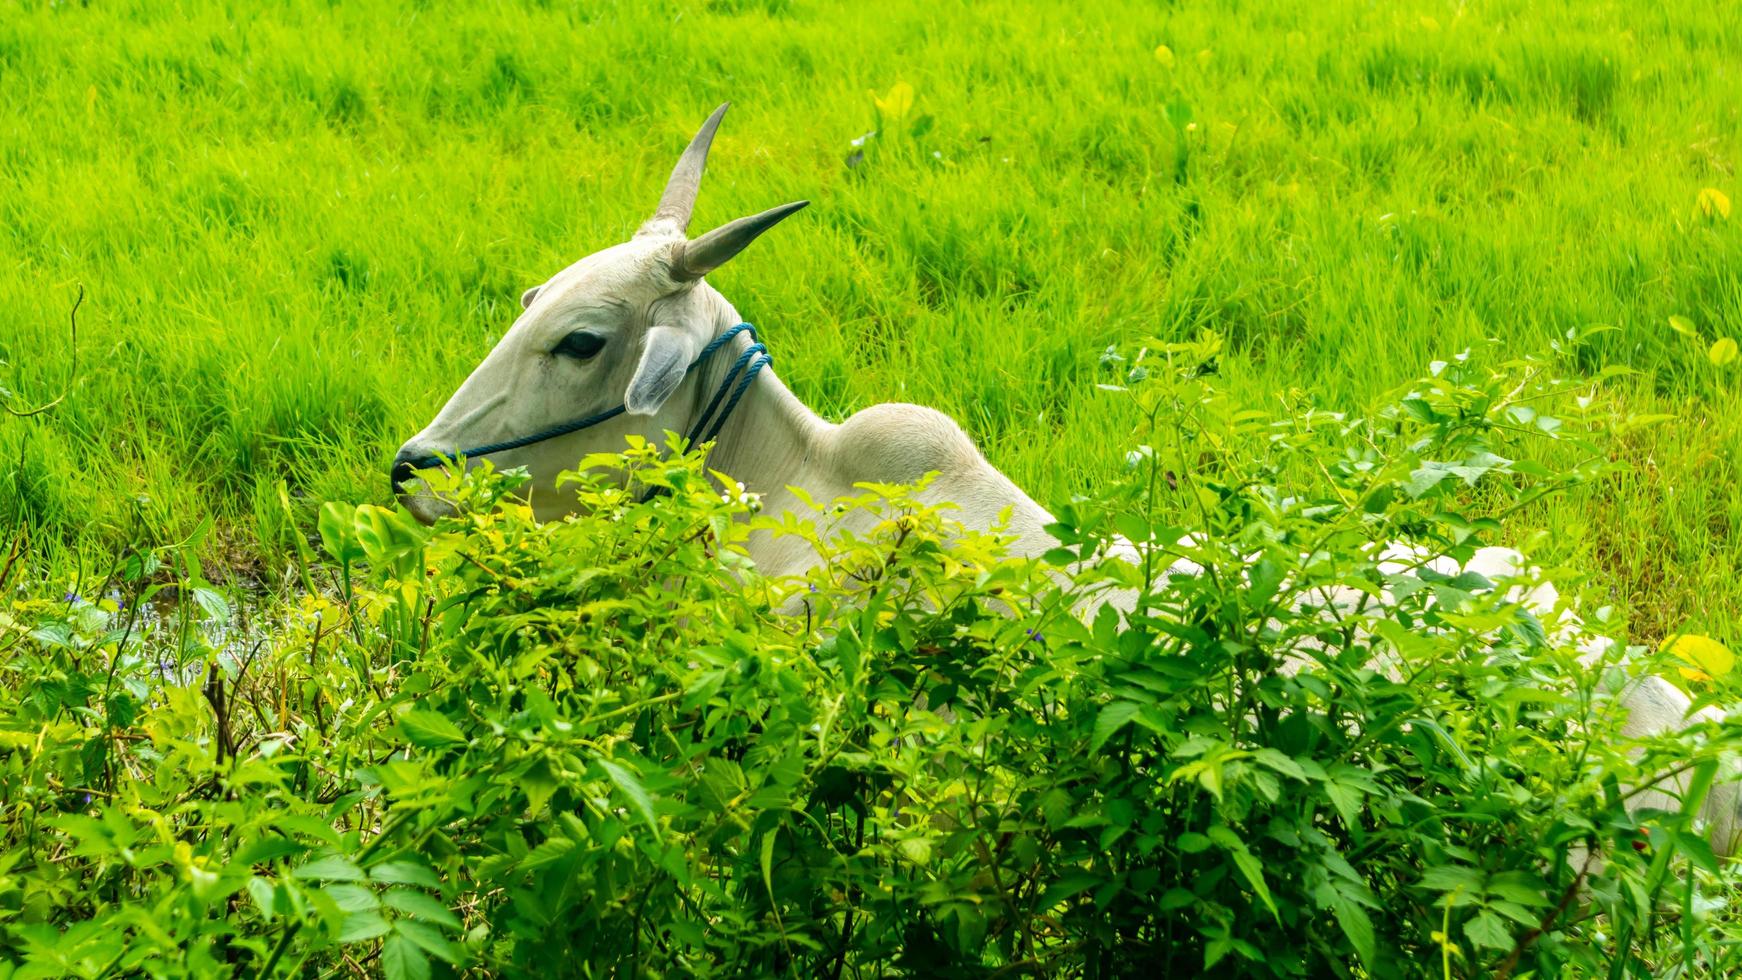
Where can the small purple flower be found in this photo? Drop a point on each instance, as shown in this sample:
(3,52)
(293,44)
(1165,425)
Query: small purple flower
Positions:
(72,597)
(86,801)
(1037,635)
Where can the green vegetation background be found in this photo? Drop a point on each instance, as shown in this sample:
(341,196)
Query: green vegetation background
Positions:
(301,224)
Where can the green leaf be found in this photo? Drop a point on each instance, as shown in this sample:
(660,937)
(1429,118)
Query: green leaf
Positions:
(1216,949)
(428,939)
(1452,878)
(405,873)
(1179,112)
(707,684)
(1425,477)
(1133,527)
(1347,800)
(428,729)
(362,926)
(1522,887)
(402,960)
(915,850)
(331,868)
(1488,930)
(1279,762)
(539,783)
(1357,926)
(265,896)
(1516,912)
(553,849)
(767,860)
(265,850)
(1698,851)
(1723,351)
(387,535)
(419,905)
(632,788)
(1112,718)
(1177,898)
(1067,887)
(1642,420)
(352,898)
(213,604)
(1420,410)
(308,826)
(1379,499)
(337,534)
(1254,875)
(1192,842)
(1264,577)
(1225,838)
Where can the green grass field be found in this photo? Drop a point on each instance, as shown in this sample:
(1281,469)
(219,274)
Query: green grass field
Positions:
(300,227)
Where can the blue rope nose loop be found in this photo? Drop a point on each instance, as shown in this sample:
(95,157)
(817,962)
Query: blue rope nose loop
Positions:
(749,364)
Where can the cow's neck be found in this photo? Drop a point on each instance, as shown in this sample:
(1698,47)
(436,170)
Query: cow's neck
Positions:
(770,442)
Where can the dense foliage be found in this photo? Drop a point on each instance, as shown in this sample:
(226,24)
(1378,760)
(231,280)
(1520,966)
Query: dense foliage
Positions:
(606,746)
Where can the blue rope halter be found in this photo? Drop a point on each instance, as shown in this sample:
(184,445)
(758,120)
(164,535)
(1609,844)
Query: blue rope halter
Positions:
(749,364)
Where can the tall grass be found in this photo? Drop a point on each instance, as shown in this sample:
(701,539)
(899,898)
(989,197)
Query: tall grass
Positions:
(301,224)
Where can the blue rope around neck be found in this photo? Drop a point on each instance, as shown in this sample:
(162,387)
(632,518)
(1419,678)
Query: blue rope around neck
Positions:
(749,364)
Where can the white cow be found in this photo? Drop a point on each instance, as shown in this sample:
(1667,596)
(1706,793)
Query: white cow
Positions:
(628,340)
(623,325)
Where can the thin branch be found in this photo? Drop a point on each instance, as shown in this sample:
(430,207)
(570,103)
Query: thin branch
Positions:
(1506,967)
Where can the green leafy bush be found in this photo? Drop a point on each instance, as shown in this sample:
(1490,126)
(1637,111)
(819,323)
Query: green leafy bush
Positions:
(606,746)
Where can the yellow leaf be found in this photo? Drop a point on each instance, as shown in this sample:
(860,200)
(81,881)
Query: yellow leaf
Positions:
(1683,326)
(1164,54)
(1704,654)
(1713,203)
(1723,352)
(896,102)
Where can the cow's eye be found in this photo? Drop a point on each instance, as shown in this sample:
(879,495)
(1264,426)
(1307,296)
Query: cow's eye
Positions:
(580,345)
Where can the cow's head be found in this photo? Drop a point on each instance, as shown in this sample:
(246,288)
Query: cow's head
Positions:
(619,327)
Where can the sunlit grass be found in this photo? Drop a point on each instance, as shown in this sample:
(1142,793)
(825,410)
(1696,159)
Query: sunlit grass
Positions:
(301,227)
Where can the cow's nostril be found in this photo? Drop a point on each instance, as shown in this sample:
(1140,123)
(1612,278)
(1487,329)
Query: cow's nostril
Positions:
(402,471)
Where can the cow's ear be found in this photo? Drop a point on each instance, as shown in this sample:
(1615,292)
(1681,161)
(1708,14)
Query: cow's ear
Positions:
(527,297)
(665,359)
